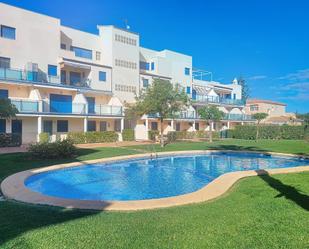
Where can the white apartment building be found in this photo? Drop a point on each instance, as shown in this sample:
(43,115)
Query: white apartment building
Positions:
(62,79)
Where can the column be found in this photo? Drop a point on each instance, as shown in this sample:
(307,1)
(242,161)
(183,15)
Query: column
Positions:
(193,126)
(212,126)
(147,128)
(172,125)
(85,124)
(228,125)
(121,125)
(39,128)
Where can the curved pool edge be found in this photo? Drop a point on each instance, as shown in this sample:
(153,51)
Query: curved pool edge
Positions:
(13,187)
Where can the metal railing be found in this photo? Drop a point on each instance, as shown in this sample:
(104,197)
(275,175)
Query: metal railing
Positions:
(215,99)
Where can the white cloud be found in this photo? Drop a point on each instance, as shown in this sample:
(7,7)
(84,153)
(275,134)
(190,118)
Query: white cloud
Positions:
(299,75)
(257,77)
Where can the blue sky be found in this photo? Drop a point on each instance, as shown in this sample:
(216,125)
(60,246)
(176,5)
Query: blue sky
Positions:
(267,42)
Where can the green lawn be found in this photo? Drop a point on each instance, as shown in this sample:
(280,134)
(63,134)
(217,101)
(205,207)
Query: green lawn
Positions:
(259,212)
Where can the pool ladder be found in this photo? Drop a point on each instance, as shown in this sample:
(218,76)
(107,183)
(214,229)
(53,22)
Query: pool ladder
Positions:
(153,152)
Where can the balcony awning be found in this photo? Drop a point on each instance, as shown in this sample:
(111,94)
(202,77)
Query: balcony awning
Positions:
(76,65)
(200,90)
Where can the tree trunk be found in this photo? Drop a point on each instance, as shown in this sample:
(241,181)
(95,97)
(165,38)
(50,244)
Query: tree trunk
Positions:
(210,131)
(161,133)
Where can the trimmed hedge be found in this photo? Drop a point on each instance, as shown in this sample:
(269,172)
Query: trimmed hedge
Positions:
(180,135)
(93,137)
(10,139)
(55,150)
(128,135)
(152,135)
(268,132)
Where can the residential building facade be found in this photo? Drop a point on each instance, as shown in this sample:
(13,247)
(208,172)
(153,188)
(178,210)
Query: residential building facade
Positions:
(65,80)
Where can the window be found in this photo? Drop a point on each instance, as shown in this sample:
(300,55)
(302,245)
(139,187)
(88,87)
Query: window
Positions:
(63,76)
(75,78)
(91,126)
(4,94)
(8,32)
(82,52)
(5,62)
(63,46)
(2,125)
(188,90)
(102,76)
(177,126)
(234,96)
(52,70)
(62,125)
(103,126)
(98,56)
(154,126)
(187,71)
(197,126)
(48,126)
(145,82)
(254,107)
(144,65)
(152,66)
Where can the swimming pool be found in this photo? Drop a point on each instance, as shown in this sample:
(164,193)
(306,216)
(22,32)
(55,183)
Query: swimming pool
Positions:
(144,178)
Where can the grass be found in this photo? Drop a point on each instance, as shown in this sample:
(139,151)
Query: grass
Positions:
(259,212)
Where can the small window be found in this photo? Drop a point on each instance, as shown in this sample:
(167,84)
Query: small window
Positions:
(188,90)
(63,76)
(91,126)
(187,71)
(8,32)
(62,125)
(82,52)
(197,126)
(145,82)
(52,70)
(152,66)
(234,96)
(4,94)
(102,76)
(98,56)
(254,107)
(5,62)
(144,65)
(63,46)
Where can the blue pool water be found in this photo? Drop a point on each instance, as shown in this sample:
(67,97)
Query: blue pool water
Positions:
(142,179)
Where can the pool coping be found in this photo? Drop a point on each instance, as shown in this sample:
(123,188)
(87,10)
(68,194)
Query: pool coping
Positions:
(13,186)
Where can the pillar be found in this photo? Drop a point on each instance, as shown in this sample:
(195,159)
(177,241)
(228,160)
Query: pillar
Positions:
(85,124)
(172,125)
(121,125)
(39,128)
(228,125)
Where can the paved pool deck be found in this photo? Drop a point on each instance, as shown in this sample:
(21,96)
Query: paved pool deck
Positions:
(13,187)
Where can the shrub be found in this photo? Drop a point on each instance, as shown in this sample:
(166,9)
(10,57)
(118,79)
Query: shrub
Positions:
(152,135)
(128,135)
(171,136)
(44,137)
(180,135)
(55,150)
(10,139)
(267,132)
(93,137)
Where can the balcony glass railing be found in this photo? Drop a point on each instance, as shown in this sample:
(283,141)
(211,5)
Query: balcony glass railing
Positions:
(215,99)
(238,117)
(31,106)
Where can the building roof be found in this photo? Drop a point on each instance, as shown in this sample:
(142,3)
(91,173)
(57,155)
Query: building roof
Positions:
(256,101)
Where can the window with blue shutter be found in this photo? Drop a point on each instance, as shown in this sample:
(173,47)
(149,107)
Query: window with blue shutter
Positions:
(4,94)
(188,90)
(8,32)
(144,65)
(187,71)
(2,125)
(82,52)
(102,76)
(194,94)
(91,104)
(62,125)
(60,103)
(145,82)
(52,70)
(152,66)
(75,78)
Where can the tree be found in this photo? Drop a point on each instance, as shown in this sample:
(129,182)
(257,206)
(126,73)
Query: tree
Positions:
(161,99)
(245,91)
(7,109)
(259,117)
(211,114)
(305,118)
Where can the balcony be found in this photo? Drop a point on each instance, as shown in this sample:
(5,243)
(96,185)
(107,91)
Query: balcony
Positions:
(238,117)
(43,107)
(217,100)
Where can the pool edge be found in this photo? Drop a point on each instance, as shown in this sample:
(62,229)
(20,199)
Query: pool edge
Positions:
(13,186)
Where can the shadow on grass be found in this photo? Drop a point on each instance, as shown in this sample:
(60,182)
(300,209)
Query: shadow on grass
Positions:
(289,192)
(235,147)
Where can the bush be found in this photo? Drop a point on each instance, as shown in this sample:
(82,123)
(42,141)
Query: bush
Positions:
(152,135)
(93,137)
(44,137)
(10,139)
(267,132)
(172,136)
(55,150)
(128,135)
